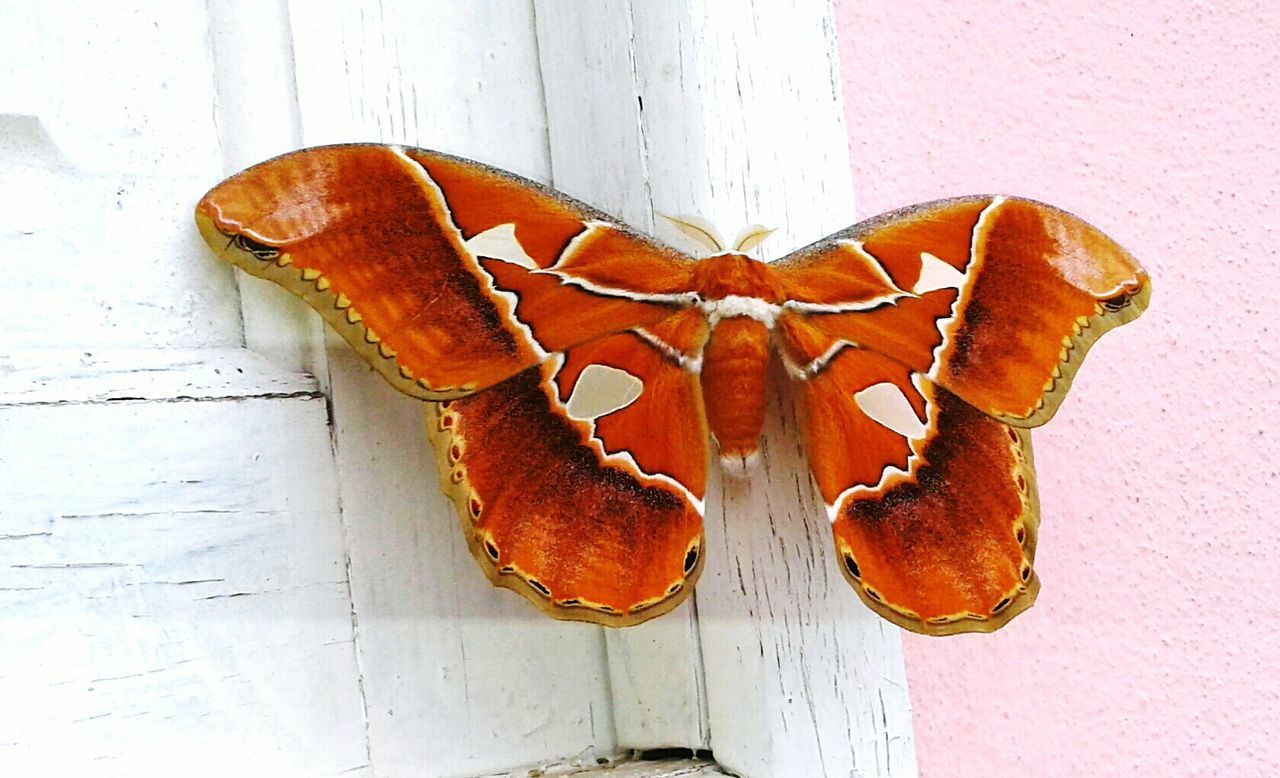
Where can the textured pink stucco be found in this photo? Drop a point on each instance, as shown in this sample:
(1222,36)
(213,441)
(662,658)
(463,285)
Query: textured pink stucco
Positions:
(1153,649)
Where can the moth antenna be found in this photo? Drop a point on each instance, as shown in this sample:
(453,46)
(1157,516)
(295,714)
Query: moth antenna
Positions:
(751,236)
(699,229)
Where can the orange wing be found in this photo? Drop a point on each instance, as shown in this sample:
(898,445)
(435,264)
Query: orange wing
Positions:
(922,343)
(581,481)
(932,502)
(996,299)
(580,471)
(446,275)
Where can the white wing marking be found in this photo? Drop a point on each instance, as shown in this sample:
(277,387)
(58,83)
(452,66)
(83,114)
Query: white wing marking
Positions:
(501,243)
(936,274)
(601,390)
(886,405)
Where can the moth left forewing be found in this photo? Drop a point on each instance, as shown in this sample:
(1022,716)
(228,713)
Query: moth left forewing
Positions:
(446,275)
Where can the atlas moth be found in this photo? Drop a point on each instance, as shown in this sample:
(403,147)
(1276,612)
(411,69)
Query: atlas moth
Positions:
(922,344)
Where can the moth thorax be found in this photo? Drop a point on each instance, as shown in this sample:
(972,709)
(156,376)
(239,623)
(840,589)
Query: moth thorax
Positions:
(729,275)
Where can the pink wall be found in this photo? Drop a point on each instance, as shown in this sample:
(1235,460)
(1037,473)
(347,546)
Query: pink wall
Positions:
(1153,648)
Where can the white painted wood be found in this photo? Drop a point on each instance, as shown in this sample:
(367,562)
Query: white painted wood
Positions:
(450,75)
(47,377)
(104,125)
(732,111)
(173,589)
(801,678)
(663,768)
(256,112)
(598,155)
(459,676)
(173,597)
(174,585)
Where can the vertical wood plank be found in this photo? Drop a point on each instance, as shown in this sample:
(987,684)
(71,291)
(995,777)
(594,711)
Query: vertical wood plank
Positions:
(173,597)
(256,112)
(173,594)
(598,154)
(743,123)
(733,113)
(104,127)
(460,678)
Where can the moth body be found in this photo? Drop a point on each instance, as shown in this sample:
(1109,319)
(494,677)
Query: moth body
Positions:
(741,298)
(735,364)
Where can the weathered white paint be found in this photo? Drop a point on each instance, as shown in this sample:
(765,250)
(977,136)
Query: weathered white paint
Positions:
(664,768)
(742,121)
(173,593)
(105,122)
(458,675)
(800,679)
(256,112)
(598,154)
(52,376)
(204,579)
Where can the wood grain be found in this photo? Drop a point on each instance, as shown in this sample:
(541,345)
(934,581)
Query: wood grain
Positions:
(652,107)
(172,574)
(202,568)
(458,675)
(172,580)
(587,59)
(801,679)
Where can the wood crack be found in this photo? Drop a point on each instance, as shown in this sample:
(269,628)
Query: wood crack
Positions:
(302,395)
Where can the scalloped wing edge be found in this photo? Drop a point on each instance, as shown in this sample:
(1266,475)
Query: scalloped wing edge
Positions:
(456,486)
(1020,598)
(334,308)
(1075,347)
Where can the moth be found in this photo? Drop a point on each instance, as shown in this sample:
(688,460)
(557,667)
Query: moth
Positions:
(577,370)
